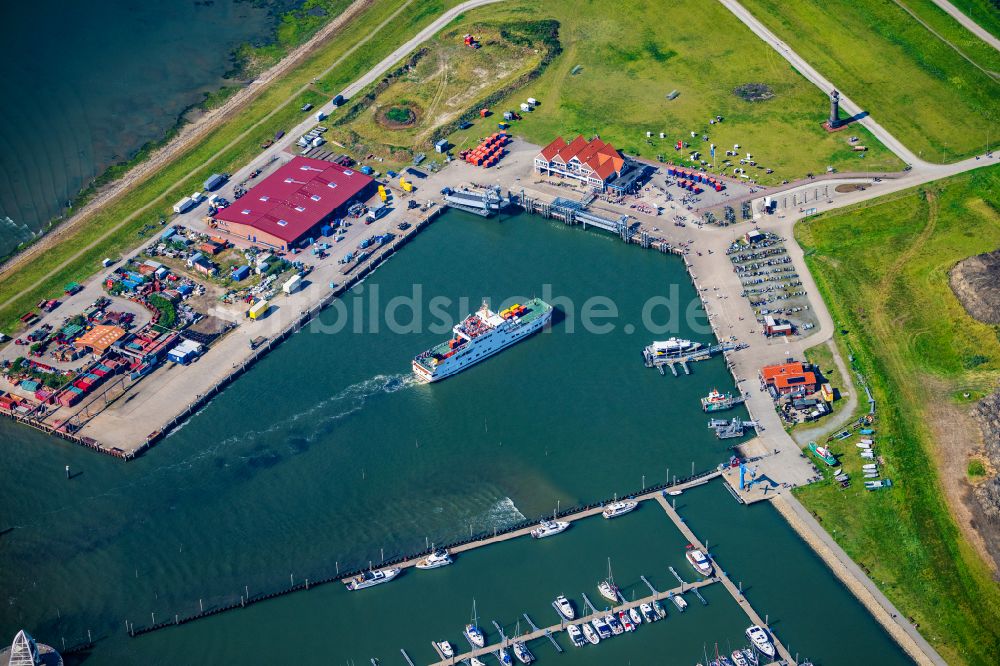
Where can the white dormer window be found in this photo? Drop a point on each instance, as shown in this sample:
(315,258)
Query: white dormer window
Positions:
(282,223)
(300,209)
(315,197)
(331,185)
(348,172)
(246,211)
(265,198)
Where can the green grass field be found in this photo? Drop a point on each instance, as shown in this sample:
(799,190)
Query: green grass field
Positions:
(975,49)
(911,82)
(984,12)
(882,269)
(185,174)
(628,60)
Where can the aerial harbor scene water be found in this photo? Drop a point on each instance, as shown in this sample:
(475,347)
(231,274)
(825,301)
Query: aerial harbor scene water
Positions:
(404,354)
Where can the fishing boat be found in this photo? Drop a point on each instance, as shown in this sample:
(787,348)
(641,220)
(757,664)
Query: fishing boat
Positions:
(739,659)
(602,627)
(823,453)
(372,578)
(608,589)
(522,652)
(591,634)
(761,640)
(548,528)
(680,602)
(479,336)
(446,649)
(699,561)
(575,635)
(635,615)
(658,608)
(717,402)
(626,620)
(565,607)
(648,613)
(439,558)
(619,508)
(616,626)
(472,632)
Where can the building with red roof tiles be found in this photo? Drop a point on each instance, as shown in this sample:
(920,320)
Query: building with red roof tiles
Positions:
(595,163)
(789,377)
(294,202)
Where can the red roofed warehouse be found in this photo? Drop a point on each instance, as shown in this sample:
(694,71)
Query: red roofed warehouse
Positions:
(594,162)
(294,202)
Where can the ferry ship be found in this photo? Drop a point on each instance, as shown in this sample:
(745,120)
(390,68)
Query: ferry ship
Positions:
(671,348)
(479,336)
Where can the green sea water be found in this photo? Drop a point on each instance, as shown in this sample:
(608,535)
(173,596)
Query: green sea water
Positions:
(327,456)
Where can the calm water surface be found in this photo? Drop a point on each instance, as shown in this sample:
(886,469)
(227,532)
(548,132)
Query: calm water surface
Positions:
(327,455)
(85,84)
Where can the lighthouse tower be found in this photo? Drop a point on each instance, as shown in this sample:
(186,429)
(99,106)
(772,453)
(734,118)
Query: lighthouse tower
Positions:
(834,121)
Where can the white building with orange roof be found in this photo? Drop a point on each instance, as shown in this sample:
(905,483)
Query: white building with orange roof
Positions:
(595,163)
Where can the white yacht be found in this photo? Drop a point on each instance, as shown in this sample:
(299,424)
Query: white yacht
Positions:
(616,626)
(565,607)
(371,578)
(619,508)
(761,640)
(680,602)
(472,631)
(648,613)
(576,635)
(548,528)
(522,652)
(635,615)
(439,558)
(602,627)
(609,591)
(446,649)
(503,656)
(699,561)
(591,634)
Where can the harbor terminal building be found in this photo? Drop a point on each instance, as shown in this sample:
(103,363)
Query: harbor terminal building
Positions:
(595,163)
(292,204)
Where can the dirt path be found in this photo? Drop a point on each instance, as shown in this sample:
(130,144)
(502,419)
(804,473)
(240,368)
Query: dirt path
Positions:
(188,137)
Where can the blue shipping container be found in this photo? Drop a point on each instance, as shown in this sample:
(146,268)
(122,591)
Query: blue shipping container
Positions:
(241,273)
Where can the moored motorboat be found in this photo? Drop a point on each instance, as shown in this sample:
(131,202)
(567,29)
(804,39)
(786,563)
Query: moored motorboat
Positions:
(591,634)
(446,649)
(522,652)
(616,509)
(575,635)
(648,613)
(565,607)
(476,662)
(616,626)
(602,627)
(503,656)
(439,558)
(371,578)
(761,640)
(699,561)
(680,602)
(751,656)
(739,659)
(658,608)
(548,528)
(626,620)
(635,615)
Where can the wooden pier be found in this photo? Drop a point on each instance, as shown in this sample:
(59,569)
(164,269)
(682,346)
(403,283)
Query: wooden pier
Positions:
(721,576)
(551,630)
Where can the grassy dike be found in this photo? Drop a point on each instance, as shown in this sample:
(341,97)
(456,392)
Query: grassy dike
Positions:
(185,173)
(914,83)
(882,268)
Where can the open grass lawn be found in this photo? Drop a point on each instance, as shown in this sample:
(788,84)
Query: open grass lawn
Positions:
(629,58)
(154,197)
(973,48)
(912,82)
(883,270)
(447,81)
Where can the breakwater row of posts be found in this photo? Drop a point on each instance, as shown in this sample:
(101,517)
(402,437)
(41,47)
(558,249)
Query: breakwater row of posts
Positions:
(475,540)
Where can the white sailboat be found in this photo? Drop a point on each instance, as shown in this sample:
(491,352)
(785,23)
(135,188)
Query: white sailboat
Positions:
(472,631)
(608,589)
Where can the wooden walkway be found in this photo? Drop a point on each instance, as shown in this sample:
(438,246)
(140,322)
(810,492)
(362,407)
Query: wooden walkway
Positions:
(542,632)
(571,517)
(721,576)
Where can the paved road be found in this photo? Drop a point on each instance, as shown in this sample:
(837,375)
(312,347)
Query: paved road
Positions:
(968,23)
